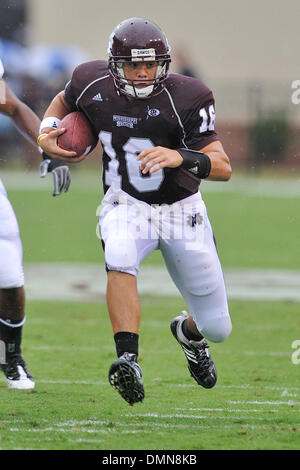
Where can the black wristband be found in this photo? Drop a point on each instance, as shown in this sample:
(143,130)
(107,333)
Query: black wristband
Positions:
(53,163)
(198,163)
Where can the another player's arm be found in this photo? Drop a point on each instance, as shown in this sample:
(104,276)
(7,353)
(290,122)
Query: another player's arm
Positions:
(26,121)
(48,136)
(217,165)
(50,164)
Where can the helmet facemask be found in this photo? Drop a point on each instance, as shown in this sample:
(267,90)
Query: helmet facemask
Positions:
(130,87)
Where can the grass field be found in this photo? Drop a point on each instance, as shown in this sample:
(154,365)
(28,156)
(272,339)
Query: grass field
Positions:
(69,346)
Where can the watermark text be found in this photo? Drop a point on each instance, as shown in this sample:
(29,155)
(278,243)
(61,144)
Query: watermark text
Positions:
(296,353)
(296,94)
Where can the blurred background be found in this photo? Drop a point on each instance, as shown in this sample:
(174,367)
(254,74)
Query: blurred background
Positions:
(247,52)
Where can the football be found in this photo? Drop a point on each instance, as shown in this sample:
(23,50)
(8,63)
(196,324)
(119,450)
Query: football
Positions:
(79,136)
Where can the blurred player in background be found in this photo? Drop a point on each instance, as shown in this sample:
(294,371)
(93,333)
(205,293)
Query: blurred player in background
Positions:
(158,138)
(12,295)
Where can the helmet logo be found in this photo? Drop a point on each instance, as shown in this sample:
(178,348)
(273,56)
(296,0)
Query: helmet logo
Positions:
(143,54)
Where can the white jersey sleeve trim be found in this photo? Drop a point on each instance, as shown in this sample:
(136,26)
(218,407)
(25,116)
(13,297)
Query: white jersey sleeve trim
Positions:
(178,117)
(88,86)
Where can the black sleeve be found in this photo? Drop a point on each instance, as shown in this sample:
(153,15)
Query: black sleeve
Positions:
(200,122)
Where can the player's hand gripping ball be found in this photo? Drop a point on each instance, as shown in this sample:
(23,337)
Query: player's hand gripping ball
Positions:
(79,136)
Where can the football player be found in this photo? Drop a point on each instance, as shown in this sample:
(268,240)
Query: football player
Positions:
(12,295)
(159,142)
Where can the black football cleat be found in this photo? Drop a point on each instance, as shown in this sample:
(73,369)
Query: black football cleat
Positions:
(199,360)
(16,373)
(125,375)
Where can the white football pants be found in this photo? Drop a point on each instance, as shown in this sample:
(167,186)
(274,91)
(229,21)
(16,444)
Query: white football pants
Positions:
(11,267)
(132,229)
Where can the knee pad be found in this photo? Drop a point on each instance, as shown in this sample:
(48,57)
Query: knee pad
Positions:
(121,254)
(217,329)
(203,277)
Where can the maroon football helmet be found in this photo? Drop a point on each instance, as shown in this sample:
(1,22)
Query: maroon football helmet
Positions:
(138,40)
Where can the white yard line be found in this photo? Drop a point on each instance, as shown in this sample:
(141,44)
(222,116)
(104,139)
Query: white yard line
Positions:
(75,347)
(285,389)
(65,348)
(206,417)
(144,425)
(95,427)
(229,410)
(244,387)
(86,441)
(59,430)
(87,424)
(257,402)
(72,382)
(190,416)
(54,439)
(87,282)
(77,430)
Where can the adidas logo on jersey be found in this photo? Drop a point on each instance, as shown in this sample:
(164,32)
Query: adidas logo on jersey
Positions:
(97,97)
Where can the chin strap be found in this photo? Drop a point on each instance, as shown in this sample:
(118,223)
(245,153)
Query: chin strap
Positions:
(138,92)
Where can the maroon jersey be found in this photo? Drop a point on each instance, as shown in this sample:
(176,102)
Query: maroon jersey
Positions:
(181,116)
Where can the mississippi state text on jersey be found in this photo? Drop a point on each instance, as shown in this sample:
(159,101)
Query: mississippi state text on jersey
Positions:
(182,115)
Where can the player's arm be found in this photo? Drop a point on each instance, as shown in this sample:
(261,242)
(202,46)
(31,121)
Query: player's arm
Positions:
(52,164)
(57,107)
(220,169)
(26,121)
(211,161)
(47,139)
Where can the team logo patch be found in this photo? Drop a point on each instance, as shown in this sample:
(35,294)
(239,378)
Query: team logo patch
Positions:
(153,112)
(192,220)
(125,121)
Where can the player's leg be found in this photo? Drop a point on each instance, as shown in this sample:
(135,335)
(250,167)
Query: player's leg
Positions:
(123,302)
(126,244)
(12,299)
(195,269)
(12,319)
(125,375)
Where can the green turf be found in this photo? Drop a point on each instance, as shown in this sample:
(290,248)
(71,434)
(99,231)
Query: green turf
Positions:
(251,231)
(69,347)
(256,232)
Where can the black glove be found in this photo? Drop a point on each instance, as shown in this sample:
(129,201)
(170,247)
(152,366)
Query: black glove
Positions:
(60,171)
